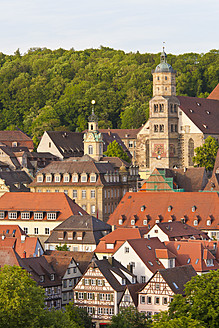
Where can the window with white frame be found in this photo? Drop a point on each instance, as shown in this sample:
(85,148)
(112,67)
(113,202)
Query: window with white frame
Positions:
(89,310)
(57,178)
(12,215)
(132,222)
(93,178)
(90,150)
(75,193)
(142,299)
(2,215)
(126,249)
(84,207)
(111,311)
(99,282)
(101,297)
(83,194)
(80,296)
(36,231)
(89,296)
(38,215)
(120,221)
(149,300)
(106,311)
(66,178)
(100,310)
(46,231)
(49,178)
(25,230)
(40,178)
(84,178)
(74,178)
(93,209)
(130,144)
(126,298)
(107,297)
(51,216)
(143,279)
(92,193)
(25,215)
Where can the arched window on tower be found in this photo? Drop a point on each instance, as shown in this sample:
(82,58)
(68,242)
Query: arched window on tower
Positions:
(155,108)
(171,108)
(161,108)
(190,151)
(90,150)
(91,127)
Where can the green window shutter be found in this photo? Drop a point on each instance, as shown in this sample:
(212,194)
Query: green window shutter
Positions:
(98,297)
(76,295)
(82,281)
(93,296)
(103,282)
(85,296)
(89,281)
(111,297)
(96,281)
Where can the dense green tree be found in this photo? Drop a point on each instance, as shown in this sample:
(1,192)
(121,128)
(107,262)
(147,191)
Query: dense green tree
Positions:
(115,150)
(21,300)
(78,315)
(206,154)
(62,247)
(200,306)
(130,317)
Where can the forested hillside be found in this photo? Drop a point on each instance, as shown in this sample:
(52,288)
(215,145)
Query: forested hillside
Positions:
(47,89)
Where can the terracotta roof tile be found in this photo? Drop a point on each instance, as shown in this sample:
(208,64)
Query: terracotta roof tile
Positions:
(215,93)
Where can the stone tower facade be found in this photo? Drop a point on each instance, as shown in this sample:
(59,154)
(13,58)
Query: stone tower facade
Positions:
(163,123)
(93,142)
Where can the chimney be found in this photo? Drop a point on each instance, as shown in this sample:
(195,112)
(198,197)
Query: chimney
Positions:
(23,237)
(24,255)
(111,260)
(38,252)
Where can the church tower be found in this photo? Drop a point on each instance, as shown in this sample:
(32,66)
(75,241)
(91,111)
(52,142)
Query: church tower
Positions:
(163,122)
(93,142)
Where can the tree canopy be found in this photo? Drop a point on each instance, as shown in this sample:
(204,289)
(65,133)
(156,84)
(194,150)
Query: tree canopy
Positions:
(45,89)
(206,154)
(130,317)
(115,150)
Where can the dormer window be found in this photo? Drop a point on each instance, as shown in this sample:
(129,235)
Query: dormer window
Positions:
(142,208)
(38,215)
(194,208)
(133,222)
(14,144)
(195,222)
(52,277)
(49,178)
(208,222)
(12,215)
(75,177)
(109,246)
(170,209)
(51,216)
(57,178)
(120,221)
(41,278)
(123,281)
(93,177)
(2,215)
(40,178)
(209,262)
(84,177)
(25,215)
(145,222)
(66,178)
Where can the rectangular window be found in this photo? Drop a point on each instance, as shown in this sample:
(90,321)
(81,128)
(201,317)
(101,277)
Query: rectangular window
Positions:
(156,300)
(92,193)
(75,178)
(107,297)
(93,209)
(143,279)
(25,215)
(111,311)
(57,178)
(130,144)
(93,282)
(66,178)
(156,128)
(84,178)
(157,286)
(83,193)
(89,296)
(75,193)
(164,300)
(70,282)
(46,231)
(99,282)
(93,178)
(126,249)
(101,297)
(80,296)
(100,310)
(12,215)
(64,296)
(161,128)
(2,215)
(36,231)
(26,230)
(48,178)
(39,178)
(51,216)
(142,299)
(149,300)
(38,215)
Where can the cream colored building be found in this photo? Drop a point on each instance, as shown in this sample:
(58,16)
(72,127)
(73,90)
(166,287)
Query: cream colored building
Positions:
(176,125)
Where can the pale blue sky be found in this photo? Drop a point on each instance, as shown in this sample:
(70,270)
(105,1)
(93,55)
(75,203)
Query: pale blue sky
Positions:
(129,25)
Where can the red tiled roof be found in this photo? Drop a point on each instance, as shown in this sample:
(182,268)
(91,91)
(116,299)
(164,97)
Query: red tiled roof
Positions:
(153,205)
(45,202)
(215,93)
(123,133)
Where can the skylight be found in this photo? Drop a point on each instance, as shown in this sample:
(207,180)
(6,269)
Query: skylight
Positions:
(175,285)
(189,260)
(148,246)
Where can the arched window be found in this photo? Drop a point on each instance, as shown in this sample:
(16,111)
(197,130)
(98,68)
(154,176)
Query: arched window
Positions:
(90,150)
(190,151)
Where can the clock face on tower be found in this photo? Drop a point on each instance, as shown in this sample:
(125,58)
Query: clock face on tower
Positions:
(158,151)
(90,136)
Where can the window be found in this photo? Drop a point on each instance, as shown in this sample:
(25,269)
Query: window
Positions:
(38,215)
(75,193)
(93,282)
(107,297)
(155,108)
(165,77)
(156,300)
(90,150)
(25,215)
(84,178)
(26,230)
(143,279)
(12,215)
(64,296)
(71,295)
(66,192)
(149,300)
(123,281)
(48,178)
(126,249)
(46,231)
(209,262)
(100,310)
(111,311)
(171,108)
(66,178)
(101,297)
(2,215)
(92,193)
(132,222)
(130,144)
(171,263)
(208,222)
(156,128)
(52,277)
(142,299)
(120,221)
(42,279)
(93,178)
(36,231)
(175,285)
(74,178)
(126,298)
(164,300)
(80,296)
(161,108)
(106,311)
(86,282)
(90,296)
(99,282)
(83,194)
(93,209)
(57,178)
(39,178)
(51,216)
(175,108)
(157,286)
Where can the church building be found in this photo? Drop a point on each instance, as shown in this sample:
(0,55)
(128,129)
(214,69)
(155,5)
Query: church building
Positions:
(176,124)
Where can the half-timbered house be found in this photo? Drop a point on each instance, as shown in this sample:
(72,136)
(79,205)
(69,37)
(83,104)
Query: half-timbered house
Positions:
(130,296)
(157,294)
(100,289)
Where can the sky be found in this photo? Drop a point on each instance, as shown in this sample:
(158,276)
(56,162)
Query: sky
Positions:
(129,25)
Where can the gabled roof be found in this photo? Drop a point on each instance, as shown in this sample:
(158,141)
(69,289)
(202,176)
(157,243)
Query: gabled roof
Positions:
(213,183)
(68,143)
(122,133)
(204,113)
(61,260)
(16,135)
(16,180)
(93,229)
(28,201)
(199,206)
(8,256)
(215,93)
(177,229)
(192,252)
(133,291)
(117,237)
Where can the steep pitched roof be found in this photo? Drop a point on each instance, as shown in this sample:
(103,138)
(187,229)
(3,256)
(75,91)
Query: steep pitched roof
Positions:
(16,180)
(133,291)
(68,143)
(204,113)
(199,206)
(213,183)
(123,133)
(215,93)
(16,135)
(46,202)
